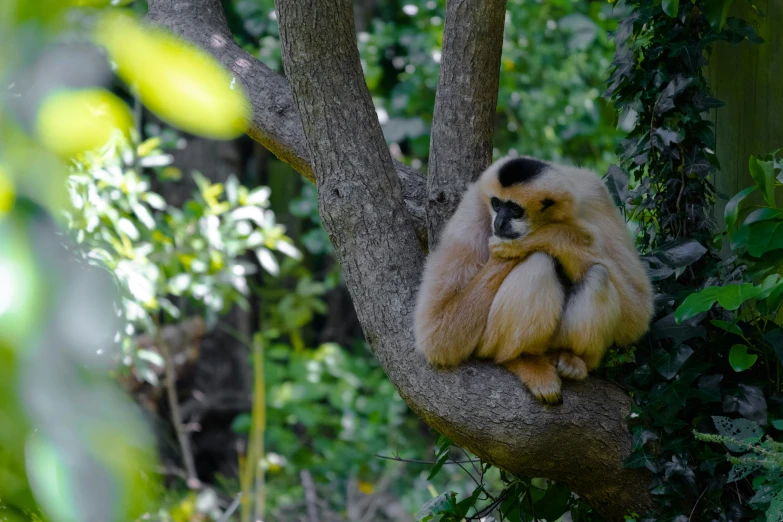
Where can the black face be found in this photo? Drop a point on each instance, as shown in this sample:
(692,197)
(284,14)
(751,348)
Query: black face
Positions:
(506,213)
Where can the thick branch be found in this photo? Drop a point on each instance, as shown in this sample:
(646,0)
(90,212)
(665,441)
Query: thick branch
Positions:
(275,124)
(465,106)
(581,443)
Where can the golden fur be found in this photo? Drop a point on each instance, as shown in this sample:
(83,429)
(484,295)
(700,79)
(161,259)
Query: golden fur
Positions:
(502,299)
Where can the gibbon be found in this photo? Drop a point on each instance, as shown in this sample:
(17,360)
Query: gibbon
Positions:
(537,271)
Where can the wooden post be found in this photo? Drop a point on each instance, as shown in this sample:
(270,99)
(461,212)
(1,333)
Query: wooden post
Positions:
(747,78)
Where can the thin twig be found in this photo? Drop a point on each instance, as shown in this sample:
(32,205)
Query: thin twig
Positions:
(176,415)
(309,494)
(696,504)
(478,484)
(488,509)
(430,462)
(472,462)
(231,508)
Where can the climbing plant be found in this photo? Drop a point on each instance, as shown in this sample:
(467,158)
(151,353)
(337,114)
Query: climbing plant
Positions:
(695,364)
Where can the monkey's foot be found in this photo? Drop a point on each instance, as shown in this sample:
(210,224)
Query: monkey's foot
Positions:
(539,375)
(571,366)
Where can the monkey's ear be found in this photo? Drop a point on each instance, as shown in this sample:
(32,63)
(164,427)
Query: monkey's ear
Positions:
(546,203)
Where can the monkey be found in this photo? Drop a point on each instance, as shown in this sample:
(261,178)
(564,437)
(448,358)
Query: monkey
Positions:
(535,270)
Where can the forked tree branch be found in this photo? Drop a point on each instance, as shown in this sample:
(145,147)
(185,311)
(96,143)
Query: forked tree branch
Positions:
(275,124)
(582,442)
(463,121)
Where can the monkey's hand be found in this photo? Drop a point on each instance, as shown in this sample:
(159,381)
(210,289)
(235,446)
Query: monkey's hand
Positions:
(505,249)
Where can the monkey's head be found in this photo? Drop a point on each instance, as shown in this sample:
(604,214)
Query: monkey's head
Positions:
(523,194)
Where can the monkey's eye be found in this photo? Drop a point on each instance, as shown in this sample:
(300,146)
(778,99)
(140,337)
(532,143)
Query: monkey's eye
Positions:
(516,211)
(495,204)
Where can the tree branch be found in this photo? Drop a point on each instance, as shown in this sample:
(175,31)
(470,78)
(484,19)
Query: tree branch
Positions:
(581,443)
(275,124)
(481,406)
(465,106)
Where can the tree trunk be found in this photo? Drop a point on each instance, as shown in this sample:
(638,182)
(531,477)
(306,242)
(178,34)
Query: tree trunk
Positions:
(461,142)
(747,79)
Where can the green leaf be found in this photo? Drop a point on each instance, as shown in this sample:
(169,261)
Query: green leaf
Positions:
(268,261)
(765,237)
(769,285)
(778,424)
(438,465)
(241,423)
(763,173)
(731,212)
(151,357)
(717,11)
(739,240)
(775,339)
(696,303)
(126,226)
(680,253)
(731,297)
(739,358)
(738,430)
(727,326)
(555,503)
(464,505)
(144,216)
(154,200)
(258,197)
(232,189)
(616,180)
(442,445)
(641,459)
(443,503)
(49,478)
(763,214)
(668,364)
(670,7)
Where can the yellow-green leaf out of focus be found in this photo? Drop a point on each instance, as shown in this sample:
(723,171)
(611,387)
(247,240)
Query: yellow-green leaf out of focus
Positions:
(49,479)
(74,121)
(178,82)
(7,192)
(20,297)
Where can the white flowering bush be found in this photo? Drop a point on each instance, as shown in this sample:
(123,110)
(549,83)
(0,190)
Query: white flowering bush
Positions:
(160,254)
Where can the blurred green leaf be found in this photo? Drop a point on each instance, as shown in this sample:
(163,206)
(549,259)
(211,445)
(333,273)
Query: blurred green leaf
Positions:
(740,359)
(670,7)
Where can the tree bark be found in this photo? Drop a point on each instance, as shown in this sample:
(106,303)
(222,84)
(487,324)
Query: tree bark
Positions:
(275,124)
(482,407)
(746,78)
(463,121)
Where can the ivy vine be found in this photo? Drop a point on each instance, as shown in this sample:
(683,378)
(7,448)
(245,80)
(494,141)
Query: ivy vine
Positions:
(690,370)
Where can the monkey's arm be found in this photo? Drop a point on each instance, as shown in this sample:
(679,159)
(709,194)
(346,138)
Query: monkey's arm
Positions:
(569,243)
(448,327)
